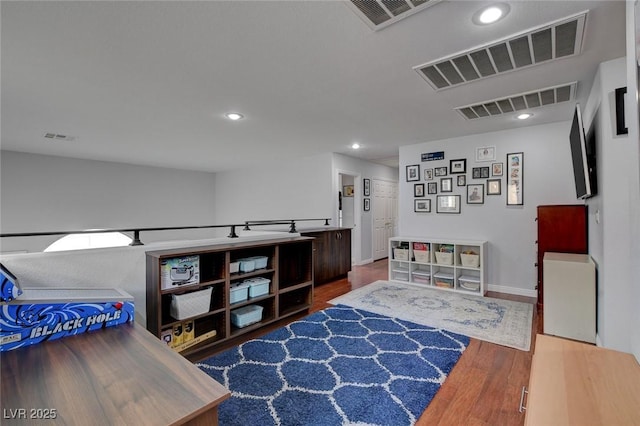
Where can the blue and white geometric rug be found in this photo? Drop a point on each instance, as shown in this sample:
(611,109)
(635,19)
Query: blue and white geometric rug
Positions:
(335,367)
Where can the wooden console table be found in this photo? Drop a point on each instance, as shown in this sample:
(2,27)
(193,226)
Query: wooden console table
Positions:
(576,383)
(118,375)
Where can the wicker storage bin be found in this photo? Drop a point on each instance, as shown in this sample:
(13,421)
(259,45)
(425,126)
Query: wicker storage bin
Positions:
(443,258)
(400,254)
(190,304)
(470,260)
(421,256)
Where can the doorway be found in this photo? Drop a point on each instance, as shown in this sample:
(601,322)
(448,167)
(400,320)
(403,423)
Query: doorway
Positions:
(348,198)
(385,216)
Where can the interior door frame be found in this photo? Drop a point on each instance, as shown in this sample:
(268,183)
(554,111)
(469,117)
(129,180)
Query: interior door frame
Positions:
(394,225)
(356,238)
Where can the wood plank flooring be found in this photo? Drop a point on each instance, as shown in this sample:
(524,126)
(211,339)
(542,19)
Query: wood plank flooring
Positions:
(485,385)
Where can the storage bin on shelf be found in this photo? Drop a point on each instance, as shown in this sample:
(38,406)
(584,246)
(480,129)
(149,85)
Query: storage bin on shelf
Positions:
(190,304)
(470,260)
(421,276)
(400,254)
(234,267)
(444,258)
(443,279)
(247,265)
(400,273)
(469,283)
(246,315)
(258,286)
(259,262)
(421,256)
(239,292)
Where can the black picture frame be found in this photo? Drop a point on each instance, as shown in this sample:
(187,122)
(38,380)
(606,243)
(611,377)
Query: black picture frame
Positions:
(366,204)
(497,169)
(418,189)
(413,172)
(462,180)
(422,205)
(446,184)
(440,171)
(494,186)
(432,188)
(475,193)
(515,179)
(458,166)
(480,172)
(366,187)
(428,174)
(449,204)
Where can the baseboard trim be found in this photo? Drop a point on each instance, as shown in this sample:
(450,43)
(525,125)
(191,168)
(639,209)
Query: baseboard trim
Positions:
(365,262)
(513,290)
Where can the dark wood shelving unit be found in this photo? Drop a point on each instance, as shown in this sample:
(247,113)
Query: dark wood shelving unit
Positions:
(289,270)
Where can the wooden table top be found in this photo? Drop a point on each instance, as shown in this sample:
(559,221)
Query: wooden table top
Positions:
(117,375)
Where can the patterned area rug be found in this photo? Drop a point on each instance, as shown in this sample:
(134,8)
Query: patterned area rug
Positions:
(503,322)
(337,366)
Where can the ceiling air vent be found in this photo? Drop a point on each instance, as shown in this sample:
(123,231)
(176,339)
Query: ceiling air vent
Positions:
(538,98)
(559,39)
(378,14)
(59,137)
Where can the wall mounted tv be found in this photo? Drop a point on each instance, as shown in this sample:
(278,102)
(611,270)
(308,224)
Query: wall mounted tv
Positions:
(583,157)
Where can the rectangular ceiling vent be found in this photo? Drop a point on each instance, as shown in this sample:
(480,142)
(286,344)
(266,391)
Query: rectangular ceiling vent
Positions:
(560,39)
(378,14)
(522,101)
(59,137)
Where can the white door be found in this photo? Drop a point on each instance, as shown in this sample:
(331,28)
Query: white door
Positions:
(384,205)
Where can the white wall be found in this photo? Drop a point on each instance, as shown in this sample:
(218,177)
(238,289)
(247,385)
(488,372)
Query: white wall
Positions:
(46,193)
(612,243)
(510,230)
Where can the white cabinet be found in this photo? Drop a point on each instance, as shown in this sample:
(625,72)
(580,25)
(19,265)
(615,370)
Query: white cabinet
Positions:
(570,296)
(454,265)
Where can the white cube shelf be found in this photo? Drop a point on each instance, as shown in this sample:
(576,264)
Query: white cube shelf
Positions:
(450,265)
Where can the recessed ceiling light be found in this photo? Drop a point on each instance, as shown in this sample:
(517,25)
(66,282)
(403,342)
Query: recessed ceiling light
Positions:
(491,14)
(234,116)
(355,146)
(524,116)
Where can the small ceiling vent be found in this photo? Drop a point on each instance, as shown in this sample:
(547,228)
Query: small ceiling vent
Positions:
(59,137)
(560,39)
(538,98)
(379,14)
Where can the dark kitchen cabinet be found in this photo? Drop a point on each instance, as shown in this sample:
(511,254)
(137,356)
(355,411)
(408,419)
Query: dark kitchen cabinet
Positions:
(332,253)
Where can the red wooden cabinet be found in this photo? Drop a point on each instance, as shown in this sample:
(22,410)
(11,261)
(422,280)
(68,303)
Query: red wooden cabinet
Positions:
(561,229)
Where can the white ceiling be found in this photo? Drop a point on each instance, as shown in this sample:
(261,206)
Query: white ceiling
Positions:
(148,82)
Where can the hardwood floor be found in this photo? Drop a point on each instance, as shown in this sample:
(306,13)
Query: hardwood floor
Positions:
(485,385)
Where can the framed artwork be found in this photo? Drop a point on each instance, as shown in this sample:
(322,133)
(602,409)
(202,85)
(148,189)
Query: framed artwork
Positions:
(432,188)
(440,171)
(462,180)
(418,189)
(347,190)
(413,172)
(366,187)
(446,184)
(475,193)
(515,164)
(485,153)
(448,204)
(367,204)
(422,205)
(458,166)
(496,169)
(494,186)
(480,172)
(428,174)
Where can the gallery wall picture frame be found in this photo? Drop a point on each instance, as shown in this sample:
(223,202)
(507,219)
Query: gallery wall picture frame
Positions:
(367,204)
(496,169)
(418,189)
(458,166)
(480,172)
(494,186)
(432,188)
(422,205)
(485,153)
(413,172)
(366,187)
(448,204)
(515,179)
(347,190)
(428,174)
(475,193)
(462,180)
(440,171)
(446,184)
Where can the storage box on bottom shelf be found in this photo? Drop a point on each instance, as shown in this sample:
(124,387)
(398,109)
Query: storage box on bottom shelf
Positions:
(421,276)
(469,283)
(443,279)
(400,273)
(246,315)
(190,304)
(53,313)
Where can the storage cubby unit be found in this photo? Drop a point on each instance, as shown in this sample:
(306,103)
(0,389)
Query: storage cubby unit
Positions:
(453,265)
(277,276)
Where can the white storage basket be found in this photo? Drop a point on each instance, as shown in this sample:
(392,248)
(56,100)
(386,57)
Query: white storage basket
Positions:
(443,258)
(470,260)
(190,304)
(400,254)
(421,256)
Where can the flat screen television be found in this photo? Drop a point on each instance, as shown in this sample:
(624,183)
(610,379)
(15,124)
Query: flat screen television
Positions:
(583,157)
